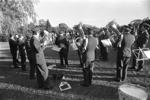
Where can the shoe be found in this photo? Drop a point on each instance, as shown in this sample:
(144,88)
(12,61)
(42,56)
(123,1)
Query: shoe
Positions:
(85,85)
(48,88)
(132,68)
(118,80)
(32,78)
(140,69)
(40,86)
(16,67)
(123,79)
(24,70)
(66,66)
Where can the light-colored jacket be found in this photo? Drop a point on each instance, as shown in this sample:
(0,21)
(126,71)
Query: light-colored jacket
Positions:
(40,59)
(91,46)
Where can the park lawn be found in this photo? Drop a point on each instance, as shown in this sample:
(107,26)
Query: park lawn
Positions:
(15,84)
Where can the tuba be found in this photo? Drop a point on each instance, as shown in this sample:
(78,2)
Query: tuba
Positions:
(113,26)
(115,34)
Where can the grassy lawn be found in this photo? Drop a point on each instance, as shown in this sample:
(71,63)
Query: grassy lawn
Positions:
(16,85)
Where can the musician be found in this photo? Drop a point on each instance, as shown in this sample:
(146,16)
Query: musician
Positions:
(90,57)
(63,43)
(14,49)
(124,53)
(82,44)
(141,42)
(30,53)
(41,67)
(21,45)
(103,49)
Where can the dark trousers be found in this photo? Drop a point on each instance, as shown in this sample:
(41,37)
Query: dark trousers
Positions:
(40,80)
(103,52)
(32,61)
(122,66)
(63,57)
(23,57)
(87,73)
(138,64)
(15,58)
(82,58)
(13,50)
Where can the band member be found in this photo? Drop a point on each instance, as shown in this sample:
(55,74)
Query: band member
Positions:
(82,44)
(63,43)
(14,49)
(21,45)
(41,68)
(90,57)
(124,53)
(31,54)
(141,42)
(103,49)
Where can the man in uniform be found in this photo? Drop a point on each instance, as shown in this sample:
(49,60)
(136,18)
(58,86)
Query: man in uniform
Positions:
(41,67)
(14,49)
(63,43)
(124,53)
(82,44)
(21,45)
(141,42)
(31,54)
(103,49)
(90,58)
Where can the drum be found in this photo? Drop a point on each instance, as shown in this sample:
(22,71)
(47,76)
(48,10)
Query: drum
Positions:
(73,45)
(132,92)
(56,48)
(106,43)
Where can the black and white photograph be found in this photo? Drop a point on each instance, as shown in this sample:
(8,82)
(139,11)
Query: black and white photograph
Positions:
(74,49)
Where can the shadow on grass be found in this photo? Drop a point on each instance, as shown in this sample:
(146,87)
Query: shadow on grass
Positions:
(98,91)
(6,94)
(21,79)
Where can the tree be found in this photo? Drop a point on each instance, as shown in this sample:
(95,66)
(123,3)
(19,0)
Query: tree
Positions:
(63,27)
(48,26)
(15,13)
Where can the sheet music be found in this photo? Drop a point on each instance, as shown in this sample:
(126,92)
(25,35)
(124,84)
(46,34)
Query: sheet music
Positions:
(147,53)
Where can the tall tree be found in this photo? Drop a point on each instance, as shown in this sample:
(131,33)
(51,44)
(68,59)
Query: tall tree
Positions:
(48,26)
(15,13)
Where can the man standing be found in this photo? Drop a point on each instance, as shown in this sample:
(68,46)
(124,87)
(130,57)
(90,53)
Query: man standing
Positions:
(82,44)
(141,42)
(103,49)
(21,44)
(90,57)
(63,43)
(30,49)
(41,68)
(124,53)
(14,49)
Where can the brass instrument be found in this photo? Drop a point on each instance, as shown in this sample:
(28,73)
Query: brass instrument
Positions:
(115,34)
(113,26)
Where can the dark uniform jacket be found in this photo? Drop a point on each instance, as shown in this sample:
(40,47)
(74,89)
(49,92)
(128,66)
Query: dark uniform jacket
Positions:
(63,44)
(142,39)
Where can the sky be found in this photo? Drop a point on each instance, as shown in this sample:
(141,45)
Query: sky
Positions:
(93,12)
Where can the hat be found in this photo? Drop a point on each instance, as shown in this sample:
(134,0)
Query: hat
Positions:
(146,25)
(127,28)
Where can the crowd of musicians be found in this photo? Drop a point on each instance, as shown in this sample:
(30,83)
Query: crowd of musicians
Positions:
(33,43)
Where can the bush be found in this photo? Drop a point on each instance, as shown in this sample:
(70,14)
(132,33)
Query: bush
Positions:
(3,38)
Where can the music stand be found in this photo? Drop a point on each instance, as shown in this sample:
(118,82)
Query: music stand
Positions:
(142,54)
